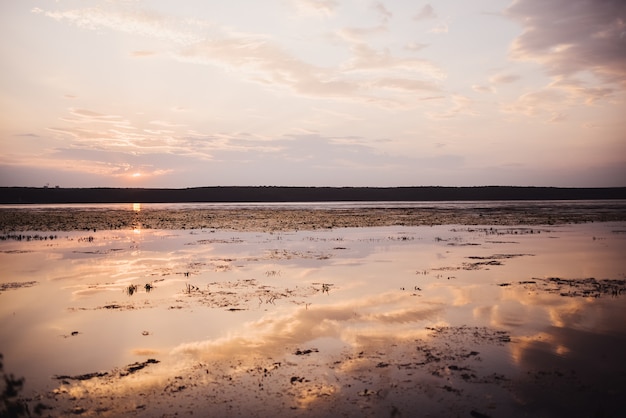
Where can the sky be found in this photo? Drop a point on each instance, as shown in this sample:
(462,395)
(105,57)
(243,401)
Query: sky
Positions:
(189,93)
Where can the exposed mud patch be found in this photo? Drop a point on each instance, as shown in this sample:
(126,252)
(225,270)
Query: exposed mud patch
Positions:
(116,373)
(575,288)
(280,219)
(250,293)
(16,285)
(437,374)
(484,262)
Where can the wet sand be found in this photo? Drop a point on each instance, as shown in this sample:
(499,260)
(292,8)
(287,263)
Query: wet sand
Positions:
(478,312)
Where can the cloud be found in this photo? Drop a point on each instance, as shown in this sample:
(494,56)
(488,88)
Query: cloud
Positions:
(28,135)
(504,78)
(320,7)
(142,54)
(460,105)
(497,79)
(145,23)
(571,37)
(405,84)
(425,13)
(367,58)
(581,91)
(384,13)
(580,45)
(90,129)
(442,27)
(539,102)
(340,115)
(553,101)
(259,58)
(479,88)
(268,63)
(343,321)
(87,116)
(165,124)
(359,34)
(91,137)
(64,161)
(415,46)
(557,117)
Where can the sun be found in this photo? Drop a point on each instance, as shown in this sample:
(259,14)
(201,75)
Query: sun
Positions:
(135,175)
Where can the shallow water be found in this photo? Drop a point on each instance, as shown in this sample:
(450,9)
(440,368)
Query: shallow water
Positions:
(451,319)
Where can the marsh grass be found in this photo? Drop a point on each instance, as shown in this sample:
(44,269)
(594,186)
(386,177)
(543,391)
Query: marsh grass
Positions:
(190,288)
(325,287)
(131,289)
(24,237)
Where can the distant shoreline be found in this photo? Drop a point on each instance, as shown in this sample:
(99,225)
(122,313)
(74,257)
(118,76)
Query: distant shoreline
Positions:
(249,194)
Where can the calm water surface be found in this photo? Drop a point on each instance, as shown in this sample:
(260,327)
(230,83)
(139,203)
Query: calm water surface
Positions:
(330,205)
(530,300)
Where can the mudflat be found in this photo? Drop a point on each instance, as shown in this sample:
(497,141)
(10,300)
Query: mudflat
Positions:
(41,218)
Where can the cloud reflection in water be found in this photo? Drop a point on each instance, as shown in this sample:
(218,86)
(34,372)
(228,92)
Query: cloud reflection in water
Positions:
(399,326)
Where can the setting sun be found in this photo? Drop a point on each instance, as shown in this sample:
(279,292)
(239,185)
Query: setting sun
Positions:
(136,174)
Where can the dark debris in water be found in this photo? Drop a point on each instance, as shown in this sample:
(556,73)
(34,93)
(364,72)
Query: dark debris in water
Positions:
(130,369)
(306,351)
(295,379)
(27,237)
(115,306)
(16,285)
(477,335)
(497,256)
(588,287)
(86,376)
(482,262)
(491,260)
(446,366)
(216,241)
(247,294)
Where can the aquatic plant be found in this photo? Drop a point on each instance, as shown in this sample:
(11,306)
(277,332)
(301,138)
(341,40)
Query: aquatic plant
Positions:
(131,289)
(23,237)
(190,288)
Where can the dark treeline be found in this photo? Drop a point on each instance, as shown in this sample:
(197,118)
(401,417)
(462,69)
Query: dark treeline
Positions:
(300,194)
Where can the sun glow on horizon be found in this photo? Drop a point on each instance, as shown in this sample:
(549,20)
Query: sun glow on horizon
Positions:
(135,175)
